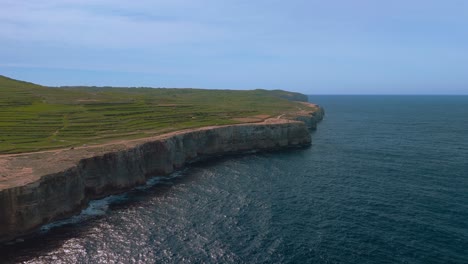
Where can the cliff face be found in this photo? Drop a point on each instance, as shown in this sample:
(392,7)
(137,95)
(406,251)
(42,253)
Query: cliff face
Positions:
(60,194)
(309,118)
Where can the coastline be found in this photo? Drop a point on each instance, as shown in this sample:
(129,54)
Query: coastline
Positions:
(58,184)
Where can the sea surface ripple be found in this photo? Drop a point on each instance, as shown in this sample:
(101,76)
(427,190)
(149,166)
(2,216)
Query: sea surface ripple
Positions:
(386,181)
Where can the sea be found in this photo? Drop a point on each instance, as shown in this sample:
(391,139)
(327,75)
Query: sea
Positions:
(385,181)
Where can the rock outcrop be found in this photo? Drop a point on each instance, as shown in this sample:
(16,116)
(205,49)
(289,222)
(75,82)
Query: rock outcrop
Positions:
(309,118)
(64,191)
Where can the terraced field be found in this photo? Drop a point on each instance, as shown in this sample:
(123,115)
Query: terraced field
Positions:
(35,118)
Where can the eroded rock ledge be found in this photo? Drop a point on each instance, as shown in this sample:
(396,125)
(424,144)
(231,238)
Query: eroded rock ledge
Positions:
(41,194)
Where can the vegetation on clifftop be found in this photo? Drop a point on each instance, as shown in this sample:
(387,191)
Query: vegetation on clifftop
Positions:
(34,117)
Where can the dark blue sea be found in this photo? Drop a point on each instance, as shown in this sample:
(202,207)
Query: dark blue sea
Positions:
(385,181)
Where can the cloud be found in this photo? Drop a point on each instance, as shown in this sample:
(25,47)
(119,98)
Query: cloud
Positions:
(101,24)
(242,42)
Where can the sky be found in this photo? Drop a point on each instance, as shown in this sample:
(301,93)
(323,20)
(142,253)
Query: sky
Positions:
(309,46)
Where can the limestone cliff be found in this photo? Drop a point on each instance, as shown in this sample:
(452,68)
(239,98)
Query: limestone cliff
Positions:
(309,118)
(65,188)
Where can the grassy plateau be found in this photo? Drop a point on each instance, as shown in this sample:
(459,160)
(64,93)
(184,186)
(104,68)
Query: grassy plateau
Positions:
(36,118)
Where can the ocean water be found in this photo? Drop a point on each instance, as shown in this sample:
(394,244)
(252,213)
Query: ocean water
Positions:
(386,181)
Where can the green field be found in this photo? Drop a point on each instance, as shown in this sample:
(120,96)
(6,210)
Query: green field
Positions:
(34,117)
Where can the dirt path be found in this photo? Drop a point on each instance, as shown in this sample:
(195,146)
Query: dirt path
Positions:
(24,168)
(126,142)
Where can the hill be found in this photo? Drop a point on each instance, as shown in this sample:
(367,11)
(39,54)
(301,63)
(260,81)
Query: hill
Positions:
(35,117)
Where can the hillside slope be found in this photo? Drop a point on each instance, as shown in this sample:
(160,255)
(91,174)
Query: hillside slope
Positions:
(35,117)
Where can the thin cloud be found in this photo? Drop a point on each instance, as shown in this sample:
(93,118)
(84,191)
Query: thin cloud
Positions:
(293,44)
(77,23)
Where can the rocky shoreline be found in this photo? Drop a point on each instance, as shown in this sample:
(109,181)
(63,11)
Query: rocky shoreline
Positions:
(59,184)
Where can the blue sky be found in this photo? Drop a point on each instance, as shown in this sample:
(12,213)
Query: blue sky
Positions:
(310,46)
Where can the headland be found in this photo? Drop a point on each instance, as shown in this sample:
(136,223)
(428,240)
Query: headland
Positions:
(38,187)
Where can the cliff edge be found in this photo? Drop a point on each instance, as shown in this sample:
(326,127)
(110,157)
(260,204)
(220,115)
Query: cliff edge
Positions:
(41,187)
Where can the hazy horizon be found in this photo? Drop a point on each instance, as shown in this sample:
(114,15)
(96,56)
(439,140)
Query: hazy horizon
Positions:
(313,47)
